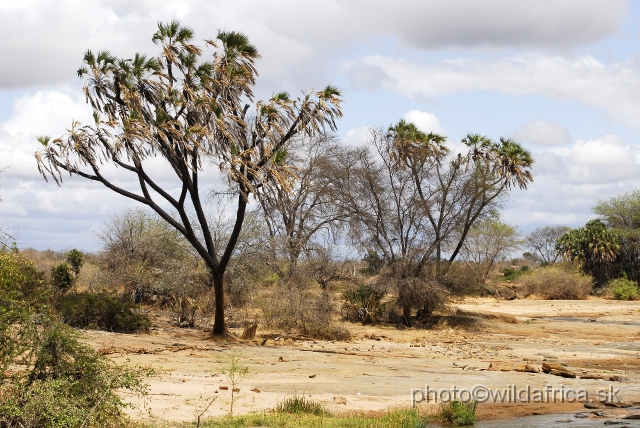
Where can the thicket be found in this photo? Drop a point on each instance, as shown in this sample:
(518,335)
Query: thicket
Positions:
(557,282)
(102,311)
(624,289)
(48,378)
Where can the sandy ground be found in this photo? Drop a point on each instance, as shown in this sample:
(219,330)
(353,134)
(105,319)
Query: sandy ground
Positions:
(378,369)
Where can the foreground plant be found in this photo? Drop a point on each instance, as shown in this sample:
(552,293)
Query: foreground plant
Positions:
(48,378)
(458,413)
(235,371)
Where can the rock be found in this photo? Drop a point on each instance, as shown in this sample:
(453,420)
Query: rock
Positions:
(592,405)
(592,376)
(557,370)
(340,400)
(634,416)
(617,405)
(506,293)
(312,376)
(548,357)
(255,390)
(564,421)
(563,373)
(581,415)
(495,316)
(532,369)
(507,367)
(223,387)
(610,422)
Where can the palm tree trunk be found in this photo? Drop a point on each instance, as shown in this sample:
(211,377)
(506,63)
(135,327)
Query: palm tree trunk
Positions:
(219,326)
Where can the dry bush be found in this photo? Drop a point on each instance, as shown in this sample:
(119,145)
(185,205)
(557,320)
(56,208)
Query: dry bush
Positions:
(557,282)
(148,258)
(422,294)
(294,305)
(44,260)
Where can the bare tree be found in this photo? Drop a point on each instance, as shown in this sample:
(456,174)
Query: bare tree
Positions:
(193,114)
(488,241)
(543,242)
(145,254)
(295,217)
(455,192)
(411,201)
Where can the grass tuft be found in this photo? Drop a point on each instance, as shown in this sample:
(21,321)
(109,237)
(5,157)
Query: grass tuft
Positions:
(301,405)
(458,413)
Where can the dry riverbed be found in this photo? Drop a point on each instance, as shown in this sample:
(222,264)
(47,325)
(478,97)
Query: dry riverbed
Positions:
(487,345)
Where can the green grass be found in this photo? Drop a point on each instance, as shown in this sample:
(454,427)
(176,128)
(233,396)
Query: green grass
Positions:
(301,405)
(393,419)
(458,413)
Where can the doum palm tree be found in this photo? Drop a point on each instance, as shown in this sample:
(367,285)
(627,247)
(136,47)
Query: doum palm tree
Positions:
(193,113)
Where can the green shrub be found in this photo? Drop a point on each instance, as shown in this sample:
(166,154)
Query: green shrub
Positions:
(510,274)
(301,405)
(75,259)
(62,277)
(624,289)
(20,276)
(101,311)
(364,304)
(557,282)
(49,379)
(458,413)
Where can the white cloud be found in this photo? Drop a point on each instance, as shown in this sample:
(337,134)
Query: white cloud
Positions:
(568,183)
(542,133)
(45,214)
(614,87)
(44,41)
(426,122)
(357,136)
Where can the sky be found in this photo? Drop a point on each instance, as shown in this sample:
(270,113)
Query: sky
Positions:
(562,77)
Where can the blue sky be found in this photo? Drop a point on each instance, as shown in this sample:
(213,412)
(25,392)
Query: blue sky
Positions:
(561,77)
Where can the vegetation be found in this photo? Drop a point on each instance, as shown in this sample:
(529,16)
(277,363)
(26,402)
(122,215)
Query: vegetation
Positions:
(594,247)
(511,274)
(305,311)
(543,243)
(621,214)
(194,114)
(48,378)
(393,419)
(409,199)
(299,404)
(624,289)
(458,413)
(102,311)
(488,241)
(557,282)
(20,278)
(364,304)
(235,371)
